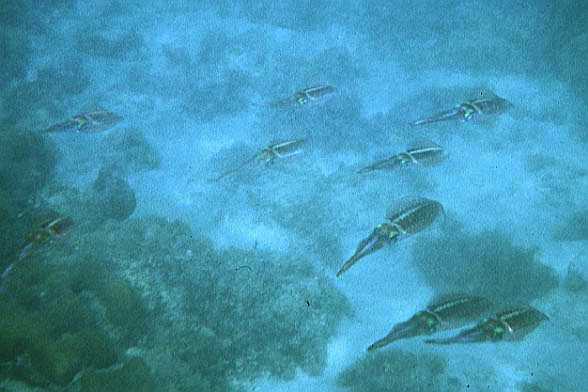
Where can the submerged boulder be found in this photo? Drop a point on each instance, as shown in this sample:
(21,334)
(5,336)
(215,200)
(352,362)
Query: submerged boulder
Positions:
(113,197)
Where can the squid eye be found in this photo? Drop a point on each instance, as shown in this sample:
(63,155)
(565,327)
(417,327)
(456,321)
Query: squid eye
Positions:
(498,332)
(427,321)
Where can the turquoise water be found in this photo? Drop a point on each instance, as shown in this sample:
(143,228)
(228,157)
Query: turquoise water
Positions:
(241,196)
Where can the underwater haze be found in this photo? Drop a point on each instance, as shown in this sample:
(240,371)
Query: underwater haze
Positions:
(247,195)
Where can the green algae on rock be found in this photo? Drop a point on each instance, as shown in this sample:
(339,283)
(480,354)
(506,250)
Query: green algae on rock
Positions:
(56,329)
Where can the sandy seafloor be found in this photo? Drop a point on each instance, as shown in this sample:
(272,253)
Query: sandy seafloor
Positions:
(196,78)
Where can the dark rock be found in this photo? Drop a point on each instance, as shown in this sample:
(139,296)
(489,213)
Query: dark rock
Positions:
(113,197)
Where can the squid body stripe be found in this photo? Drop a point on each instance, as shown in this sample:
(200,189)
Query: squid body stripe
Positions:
(425,149)
(407,213)
(514,313)
(449,304)
(432,313)
(313,89)
(412,153)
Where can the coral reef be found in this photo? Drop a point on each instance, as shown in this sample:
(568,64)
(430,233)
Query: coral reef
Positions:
(210,306)
(574,281)
(290,14)
(13,230)
(50,89)
(486,264)
(130,151)
(132,376)
(572,59)
(129,46)
(60,319)
(397,370)
(27,163)
(15,49)
(575,228)
(214,98)
(548,383)
(310,226)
